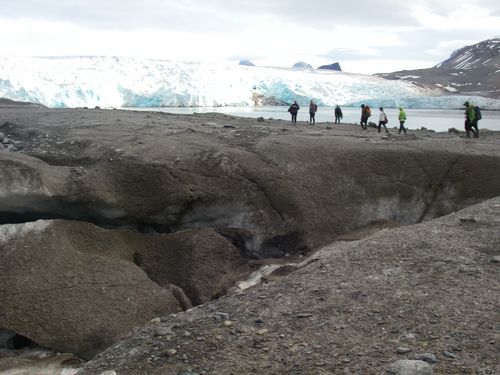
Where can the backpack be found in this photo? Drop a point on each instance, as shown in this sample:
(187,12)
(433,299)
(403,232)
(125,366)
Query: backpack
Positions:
(477,113)
(368,111)
(386,119)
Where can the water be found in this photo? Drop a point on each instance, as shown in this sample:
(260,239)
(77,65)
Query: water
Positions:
(436,119)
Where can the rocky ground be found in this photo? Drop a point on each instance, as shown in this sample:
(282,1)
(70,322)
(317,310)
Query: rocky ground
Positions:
(422,297)
(112,218)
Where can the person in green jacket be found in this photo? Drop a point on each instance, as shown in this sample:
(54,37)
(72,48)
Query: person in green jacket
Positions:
(402,119)
(470,119)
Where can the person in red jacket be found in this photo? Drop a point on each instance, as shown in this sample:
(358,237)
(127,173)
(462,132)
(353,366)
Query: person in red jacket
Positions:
(365,113)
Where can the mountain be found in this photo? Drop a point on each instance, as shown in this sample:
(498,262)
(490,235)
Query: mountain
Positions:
(110,82)
(334,66)
(246,63)
(470,70)
(302,65)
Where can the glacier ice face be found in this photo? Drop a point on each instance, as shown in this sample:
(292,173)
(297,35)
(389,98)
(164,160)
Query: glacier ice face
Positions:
(128,82)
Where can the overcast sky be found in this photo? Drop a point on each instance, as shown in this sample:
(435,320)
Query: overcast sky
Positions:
(363,36)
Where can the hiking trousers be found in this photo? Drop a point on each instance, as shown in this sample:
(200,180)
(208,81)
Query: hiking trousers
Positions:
(380,124)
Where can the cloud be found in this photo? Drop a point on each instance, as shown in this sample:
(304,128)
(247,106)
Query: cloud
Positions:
(191,15)
(355,33)
(465,17)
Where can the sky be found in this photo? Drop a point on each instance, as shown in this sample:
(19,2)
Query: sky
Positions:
(363,36)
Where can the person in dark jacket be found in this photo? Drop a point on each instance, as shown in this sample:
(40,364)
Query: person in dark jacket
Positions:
(338,114)
(313,108)
(294,109)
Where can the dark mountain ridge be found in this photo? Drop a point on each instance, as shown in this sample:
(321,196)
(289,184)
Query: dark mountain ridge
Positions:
(471,70)
(334,66)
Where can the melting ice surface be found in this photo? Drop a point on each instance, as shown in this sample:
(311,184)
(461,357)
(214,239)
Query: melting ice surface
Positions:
(128,82)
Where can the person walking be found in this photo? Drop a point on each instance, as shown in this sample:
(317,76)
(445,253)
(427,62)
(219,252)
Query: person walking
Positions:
(402,119)
(382,120)
(474,124)
(313,108)
(470,120)
(294,109)
(338,114)
(365,113)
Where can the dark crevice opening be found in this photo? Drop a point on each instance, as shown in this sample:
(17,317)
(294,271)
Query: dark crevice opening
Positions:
(243,239)
(13,341)
(10,217)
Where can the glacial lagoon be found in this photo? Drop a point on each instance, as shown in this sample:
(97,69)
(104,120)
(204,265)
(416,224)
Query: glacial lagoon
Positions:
(435,119)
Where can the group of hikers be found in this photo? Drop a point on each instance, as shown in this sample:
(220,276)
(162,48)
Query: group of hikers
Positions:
(472,116)
(365,114)
(313,108)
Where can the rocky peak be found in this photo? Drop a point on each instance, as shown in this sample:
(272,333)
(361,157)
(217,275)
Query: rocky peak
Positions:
(469,70)
(485,53)
(302,65)
(334,66)
(246,63)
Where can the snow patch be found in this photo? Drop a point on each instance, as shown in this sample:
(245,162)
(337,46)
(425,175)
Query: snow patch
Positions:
(409,77)
(256,277)
(12,231)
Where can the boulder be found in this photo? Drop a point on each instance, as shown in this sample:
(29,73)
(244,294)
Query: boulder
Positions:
(409,367)
(201,262)
(76,287)
(73,296)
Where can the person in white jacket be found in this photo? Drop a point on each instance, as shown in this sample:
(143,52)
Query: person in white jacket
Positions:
(382,120)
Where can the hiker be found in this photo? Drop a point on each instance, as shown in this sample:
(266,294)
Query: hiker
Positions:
(382,120)
(294,109)
(470,120)
(402,119)
(365,113)
(478,116)
(338,114)
(312,112)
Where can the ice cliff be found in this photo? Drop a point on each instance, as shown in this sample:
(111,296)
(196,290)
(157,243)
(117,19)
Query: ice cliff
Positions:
(128,82)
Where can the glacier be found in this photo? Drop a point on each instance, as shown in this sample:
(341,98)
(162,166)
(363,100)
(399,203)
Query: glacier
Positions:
(114,82)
